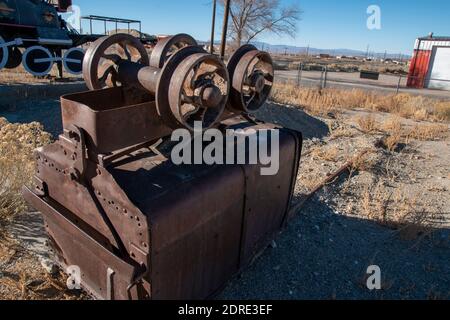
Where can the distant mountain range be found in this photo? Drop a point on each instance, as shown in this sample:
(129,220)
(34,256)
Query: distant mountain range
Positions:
(335,52)
(281,49)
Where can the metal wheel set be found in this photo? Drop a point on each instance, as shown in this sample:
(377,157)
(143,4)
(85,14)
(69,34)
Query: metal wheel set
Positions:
(188,83)
(135,224)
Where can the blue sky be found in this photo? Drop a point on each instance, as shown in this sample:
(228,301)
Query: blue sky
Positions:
(326,24)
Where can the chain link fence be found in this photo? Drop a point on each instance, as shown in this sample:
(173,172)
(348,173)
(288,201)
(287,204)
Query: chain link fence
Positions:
(320,76)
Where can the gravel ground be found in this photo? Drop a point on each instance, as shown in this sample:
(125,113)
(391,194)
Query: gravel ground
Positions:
(325,251)
(325,255)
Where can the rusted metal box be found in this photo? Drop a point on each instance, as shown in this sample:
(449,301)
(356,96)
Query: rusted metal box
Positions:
(191,227)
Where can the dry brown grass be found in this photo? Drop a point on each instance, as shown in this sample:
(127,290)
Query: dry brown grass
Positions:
(329,153)
(367,123)
(20,76)
(394,129)
(24,278)
(321,102)
(428,132)
(341,132)
(397,210)
(17,142)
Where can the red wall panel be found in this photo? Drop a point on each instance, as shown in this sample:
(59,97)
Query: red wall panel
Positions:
(418,71)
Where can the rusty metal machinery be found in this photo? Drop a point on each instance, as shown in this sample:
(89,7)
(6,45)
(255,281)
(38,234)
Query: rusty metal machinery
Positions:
(135,224)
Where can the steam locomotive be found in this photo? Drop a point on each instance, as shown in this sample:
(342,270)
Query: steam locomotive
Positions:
(33,33)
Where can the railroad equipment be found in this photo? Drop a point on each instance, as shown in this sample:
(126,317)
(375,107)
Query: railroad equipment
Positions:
(118,209)
(32,33)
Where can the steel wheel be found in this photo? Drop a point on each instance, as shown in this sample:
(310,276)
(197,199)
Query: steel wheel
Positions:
(252,79)
(73,61)
(103,57)
(4,53)
(167,47)
(15,58)
(199,90)
(38,61)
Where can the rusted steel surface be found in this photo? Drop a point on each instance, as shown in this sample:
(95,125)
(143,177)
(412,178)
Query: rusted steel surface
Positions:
(112,119)
(137,225)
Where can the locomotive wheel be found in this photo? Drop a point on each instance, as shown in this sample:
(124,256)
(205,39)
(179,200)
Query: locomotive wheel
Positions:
(165,48)
(4,53)
(38,61)
(73,61)
(252,76)
(15,58)
(103,57)
(199,90)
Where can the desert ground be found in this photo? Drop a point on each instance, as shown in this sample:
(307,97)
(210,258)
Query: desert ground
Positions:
(389,206)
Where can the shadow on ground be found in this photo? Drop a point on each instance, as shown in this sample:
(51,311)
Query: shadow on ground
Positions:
(46,112)
(293,118)
(29,229)
(324,255)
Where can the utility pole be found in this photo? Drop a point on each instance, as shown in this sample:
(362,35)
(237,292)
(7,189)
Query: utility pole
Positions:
(367,51)
(213,29)
(307,51)
(225,28)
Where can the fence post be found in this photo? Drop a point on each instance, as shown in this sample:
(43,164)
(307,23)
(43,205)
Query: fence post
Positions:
(321,80)
(299,74)
(399,83)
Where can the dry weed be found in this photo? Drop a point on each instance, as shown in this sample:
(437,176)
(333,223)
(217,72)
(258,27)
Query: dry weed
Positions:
(427,132)
(322,102)
(329,153)
(17,142)
(363,162)
(396,210)
(341,132)
(392,142)
(367,123)
(394,129)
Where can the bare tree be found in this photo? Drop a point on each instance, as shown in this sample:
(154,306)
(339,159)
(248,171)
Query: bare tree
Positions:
(251,18)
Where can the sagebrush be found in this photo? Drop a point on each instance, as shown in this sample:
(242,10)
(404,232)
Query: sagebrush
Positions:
(17,142)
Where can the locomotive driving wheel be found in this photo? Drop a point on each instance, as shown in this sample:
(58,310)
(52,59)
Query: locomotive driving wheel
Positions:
(15,58)
(102,59)
(4,53)
(252,76)
(38,61)
(73,61)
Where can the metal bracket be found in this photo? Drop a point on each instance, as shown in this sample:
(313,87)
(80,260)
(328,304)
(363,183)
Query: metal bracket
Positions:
(137,279)
(40,187)
(73,140)
(110,284)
